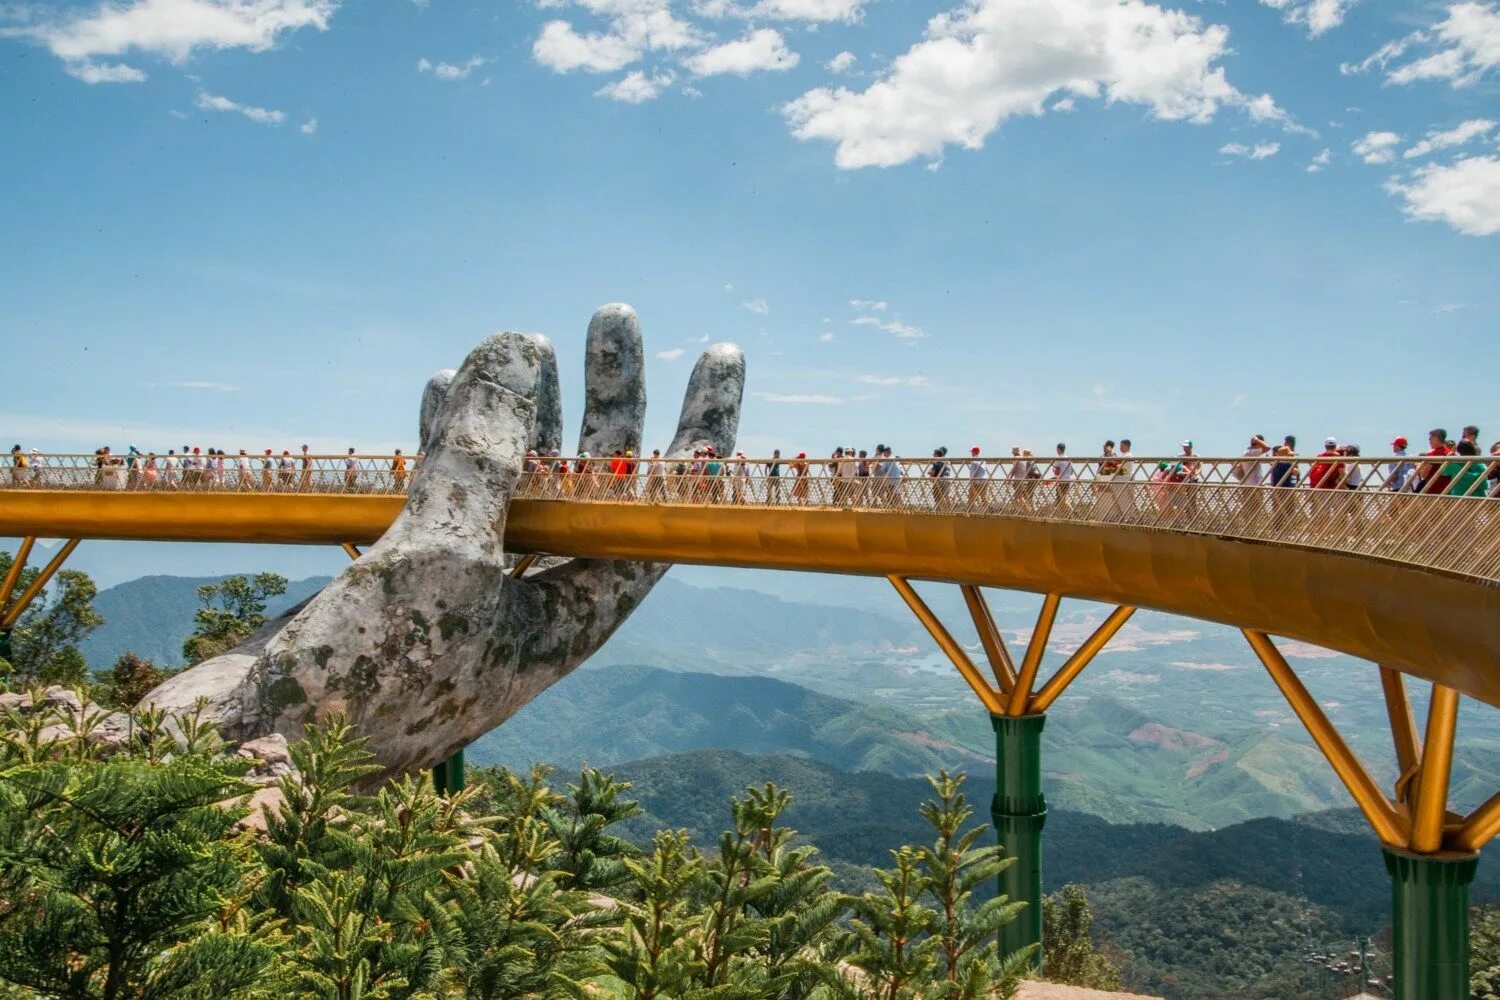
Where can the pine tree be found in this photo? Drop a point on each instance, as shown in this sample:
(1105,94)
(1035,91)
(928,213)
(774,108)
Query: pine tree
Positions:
(1067,934)
(590,857)
(123,880)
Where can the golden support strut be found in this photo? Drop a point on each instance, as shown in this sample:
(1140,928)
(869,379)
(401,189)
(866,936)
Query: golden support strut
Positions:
(1437,764)
(1367,794)
(13,575)
(1081,658)
(351,549)
(949,645)
(13,612)
(989,637)
(520,568)
(1032,661)
(1403,729)
(1011,695)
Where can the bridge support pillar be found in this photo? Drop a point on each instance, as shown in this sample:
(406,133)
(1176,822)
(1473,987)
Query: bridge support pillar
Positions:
(448,776)
(1430,914)
(1019,812)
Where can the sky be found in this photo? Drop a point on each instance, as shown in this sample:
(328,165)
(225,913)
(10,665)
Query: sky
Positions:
(259,223)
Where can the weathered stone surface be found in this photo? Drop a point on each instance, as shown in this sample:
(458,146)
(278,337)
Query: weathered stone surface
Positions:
(262,803)
(424,643)
(271,753)
(12,702)
(62,698)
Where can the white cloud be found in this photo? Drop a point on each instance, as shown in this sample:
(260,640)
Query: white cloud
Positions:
(635,28)
(213,102)
(911,381)
(450,71)
(1320,161)
(308,127)
(784,10)
(841,63)
(874,305)
(171,29)
(636,87)
(1460,135)
(758,306)
(1461,48)
(1065,104)
(670,355)
(205,386)
(92,72)
(990,60)
(1465,194)
(799,398)
(1318,15)
(761,49)
(825,338)
(1376,147)
(894,326)
(1259,151)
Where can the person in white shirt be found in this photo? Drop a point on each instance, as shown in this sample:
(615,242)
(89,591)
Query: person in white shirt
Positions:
(243,477)
(656,472)
(1252,472)
(351,472)
(1062,473)
(979,474)
(169,470)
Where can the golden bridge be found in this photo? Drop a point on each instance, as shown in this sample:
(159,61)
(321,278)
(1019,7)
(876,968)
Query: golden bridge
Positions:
(1408,581)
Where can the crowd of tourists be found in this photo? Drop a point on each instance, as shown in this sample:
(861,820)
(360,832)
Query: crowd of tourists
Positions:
(212,468)
(847,476)
(1452,467)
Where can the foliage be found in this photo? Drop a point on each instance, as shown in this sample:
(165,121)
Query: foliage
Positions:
(122,877)
(43,644)
(1068,942)
(141,873)
(230,611)
(128,681)
(1484,953)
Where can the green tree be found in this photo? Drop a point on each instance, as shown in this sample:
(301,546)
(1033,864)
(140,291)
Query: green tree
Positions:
(122,877)
(1068,942)
(128,681)
(1484,952)
(972,966)
(43,644)
(231,610)
(590,856)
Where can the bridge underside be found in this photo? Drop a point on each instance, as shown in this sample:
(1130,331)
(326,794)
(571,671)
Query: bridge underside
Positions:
(1441,628)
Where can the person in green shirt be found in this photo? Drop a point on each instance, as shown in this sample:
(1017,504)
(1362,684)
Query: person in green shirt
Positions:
(1468,475)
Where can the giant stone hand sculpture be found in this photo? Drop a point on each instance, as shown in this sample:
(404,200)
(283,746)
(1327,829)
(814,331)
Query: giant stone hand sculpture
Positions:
(425,643)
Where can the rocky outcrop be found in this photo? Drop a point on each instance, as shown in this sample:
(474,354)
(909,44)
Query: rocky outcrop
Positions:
(425,643)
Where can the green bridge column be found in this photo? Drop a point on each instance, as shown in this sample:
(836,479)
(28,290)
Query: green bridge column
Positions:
(1019,812)
(1430,914)
(448,776)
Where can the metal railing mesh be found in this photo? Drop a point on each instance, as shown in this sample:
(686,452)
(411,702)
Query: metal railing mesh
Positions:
(1438,513)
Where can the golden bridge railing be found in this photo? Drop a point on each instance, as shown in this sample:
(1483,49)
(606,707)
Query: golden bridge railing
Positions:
(287,472)
(1355,507)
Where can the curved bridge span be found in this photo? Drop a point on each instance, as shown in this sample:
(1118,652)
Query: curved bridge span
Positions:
(1409,581)
(1440,625)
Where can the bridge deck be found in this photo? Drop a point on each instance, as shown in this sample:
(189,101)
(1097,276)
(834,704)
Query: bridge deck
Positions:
(1404,580)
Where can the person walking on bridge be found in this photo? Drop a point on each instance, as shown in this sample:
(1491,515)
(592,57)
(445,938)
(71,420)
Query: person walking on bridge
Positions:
(18,466)
(1434,475)
(773,478)
(306,484)
(1398,474)
(351,473)
(398,470)
(979,481)
(799,481)
(1062,475)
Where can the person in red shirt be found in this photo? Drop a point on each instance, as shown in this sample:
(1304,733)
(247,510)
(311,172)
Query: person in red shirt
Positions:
(1433,481)
(1326,475)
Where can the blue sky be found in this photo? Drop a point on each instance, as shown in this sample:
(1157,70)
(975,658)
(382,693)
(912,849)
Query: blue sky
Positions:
(253,224)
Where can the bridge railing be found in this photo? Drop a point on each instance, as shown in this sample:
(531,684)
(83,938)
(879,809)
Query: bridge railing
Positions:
(1438,513)
(287,472)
